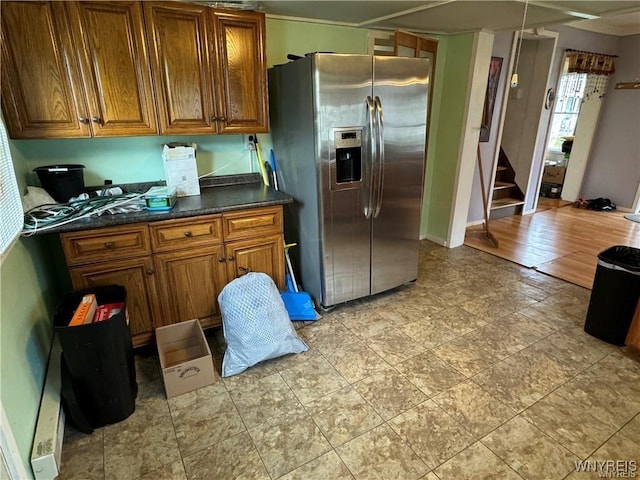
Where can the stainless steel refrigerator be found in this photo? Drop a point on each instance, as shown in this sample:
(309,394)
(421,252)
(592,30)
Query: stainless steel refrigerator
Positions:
(349,135)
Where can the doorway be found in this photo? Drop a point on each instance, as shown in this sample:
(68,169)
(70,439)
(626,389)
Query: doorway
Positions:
(528,112)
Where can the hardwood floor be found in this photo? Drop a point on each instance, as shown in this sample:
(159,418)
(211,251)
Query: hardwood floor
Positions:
(562,241)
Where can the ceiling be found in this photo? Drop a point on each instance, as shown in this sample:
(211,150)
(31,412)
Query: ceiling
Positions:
(458,16)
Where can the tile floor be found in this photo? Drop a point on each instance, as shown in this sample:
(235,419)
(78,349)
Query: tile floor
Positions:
(481,370)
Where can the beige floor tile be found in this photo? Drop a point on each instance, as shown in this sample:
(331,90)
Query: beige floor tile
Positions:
(468,355)
(196,396)
(425,305)
(294,359)
(250,376)
(429,373)
(151,403)
(327,334)
(381,454)
(173,471)
(328,466)
(453,292)
(548,315)
(473,408)
(313,379)
(82,455)
(632,429)
(206,423)
(522,379)
(619,447)
(139,448)
(523,330)
(147,367)
(476,463)
(389,393)
(366,322)
(394,346)
(230,459)
(354,360)
(266,398)
(343,415)
(428,332)
(460,321)
(431,433)
(529,451)
(287,442)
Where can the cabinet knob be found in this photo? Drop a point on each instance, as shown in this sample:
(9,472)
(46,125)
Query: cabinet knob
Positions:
(231,259)
(109,244)
(222,260)
(222,119)
(244,270)
(83,120)
(150,271)
(188,234)
(96,119)
(214,118)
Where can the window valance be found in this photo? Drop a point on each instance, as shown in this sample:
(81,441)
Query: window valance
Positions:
(589,62)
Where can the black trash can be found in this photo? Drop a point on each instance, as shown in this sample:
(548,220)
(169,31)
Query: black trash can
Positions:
(98,373)
(615,294)
(62,182)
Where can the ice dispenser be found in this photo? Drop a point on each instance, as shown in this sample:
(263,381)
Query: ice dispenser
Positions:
(348,151)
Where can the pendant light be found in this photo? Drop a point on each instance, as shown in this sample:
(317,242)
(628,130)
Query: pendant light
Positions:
(514,77)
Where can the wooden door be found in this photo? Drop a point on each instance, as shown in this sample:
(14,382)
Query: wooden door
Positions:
(264,254)
(113,56)
(189,283)
(241,74)
(180,40)
(42,93)
(137,276)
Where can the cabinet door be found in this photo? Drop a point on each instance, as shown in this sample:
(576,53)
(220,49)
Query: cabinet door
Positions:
(111,45)
(264,254)
(241,75)
(42,93)
(179,38)
(137,276)
(189,283)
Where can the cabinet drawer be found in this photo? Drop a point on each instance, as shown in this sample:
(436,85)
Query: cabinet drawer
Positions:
(252,223)
(105,244)
(178,234)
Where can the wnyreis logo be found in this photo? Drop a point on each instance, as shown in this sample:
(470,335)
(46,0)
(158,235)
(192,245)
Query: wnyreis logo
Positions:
(609,468)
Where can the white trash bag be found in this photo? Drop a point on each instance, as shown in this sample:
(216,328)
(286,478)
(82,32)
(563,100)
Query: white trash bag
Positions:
(255,322)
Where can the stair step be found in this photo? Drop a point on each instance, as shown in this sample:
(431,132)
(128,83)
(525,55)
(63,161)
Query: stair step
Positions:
(500,185)
(506,202)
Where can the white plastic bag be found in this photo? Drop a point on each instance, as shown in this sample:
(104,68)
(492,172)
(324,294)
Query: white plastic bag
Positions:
(255,323)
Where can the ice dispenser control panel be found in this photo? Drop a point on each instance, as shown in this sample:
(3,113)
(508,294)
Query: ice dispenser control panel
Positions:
(348,156)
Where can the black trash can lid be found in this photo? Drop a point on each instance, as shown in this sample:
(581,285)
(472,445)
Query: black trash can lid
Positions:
(622,256)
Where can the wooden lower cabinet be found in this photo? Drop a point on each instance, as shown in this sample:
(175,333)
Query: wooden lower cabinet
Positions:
(264,255)
(137,277)
(190,281)
(174,270)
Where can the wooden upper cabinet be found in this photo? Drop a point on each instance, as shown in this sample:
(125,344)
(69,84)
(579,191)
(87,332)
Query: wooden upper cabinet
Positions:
(41,88)
(180,39)
(112,50)
(241,73)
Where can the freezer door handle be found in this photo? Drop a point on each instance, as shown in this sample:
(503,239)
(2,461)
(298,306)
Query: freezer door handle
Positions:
(380,162)
(371,154)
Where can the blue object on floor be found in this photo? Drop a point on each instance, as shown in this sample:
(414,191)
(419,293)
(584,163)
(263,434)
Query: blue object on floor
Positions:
(298,304)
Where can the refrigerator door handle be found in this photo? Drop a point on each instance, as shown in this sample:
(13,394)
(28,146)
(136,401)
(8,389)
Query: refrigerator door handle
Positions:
(371,155)
(380,152)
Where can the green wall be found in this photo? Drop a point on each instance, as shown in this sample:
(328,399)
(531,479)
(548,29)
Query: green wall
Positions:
(29,291)
(447,130)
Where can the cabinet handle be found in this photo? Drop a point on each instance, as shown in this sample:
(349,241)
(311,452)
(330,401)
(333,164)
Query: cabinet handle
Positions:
(214,118)
(109,244)
(150,272)
(96,119)
(231,259)
(244,270)
(222,260)
(188,234)
(222,119)
(83,120)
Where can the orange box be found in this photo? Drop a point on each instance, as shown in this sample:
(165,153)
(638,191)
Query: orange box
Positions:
(85,311)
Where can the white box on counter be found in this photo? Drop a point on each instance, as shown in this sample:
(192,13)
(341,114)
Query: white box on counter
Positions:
(180,168)
(185,357)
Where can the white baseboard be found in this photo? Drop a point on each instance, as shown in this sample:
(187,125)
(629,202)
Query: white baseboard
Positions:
(434,239)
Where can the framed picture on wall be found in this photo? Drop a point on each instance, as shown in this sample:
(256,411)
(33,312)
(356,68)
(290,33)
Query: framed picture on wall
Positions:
(490,98)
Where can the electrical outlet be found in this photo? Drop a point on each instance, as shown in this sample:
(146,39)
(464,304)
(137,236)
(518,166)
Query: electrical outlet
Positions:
(247,141)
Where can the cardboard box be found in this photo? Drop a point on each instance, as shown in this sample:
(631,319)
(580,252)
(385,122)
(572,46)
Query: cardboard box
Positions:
(185,357)
(553,174)
(180,168)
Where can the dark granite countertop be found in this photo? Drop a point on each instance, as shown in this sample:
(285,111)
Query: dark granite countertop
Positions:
(217,194)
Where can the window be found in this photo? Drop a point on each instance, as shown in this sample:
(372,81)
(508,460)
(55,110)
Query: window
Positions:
(11,216)
(567,108)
